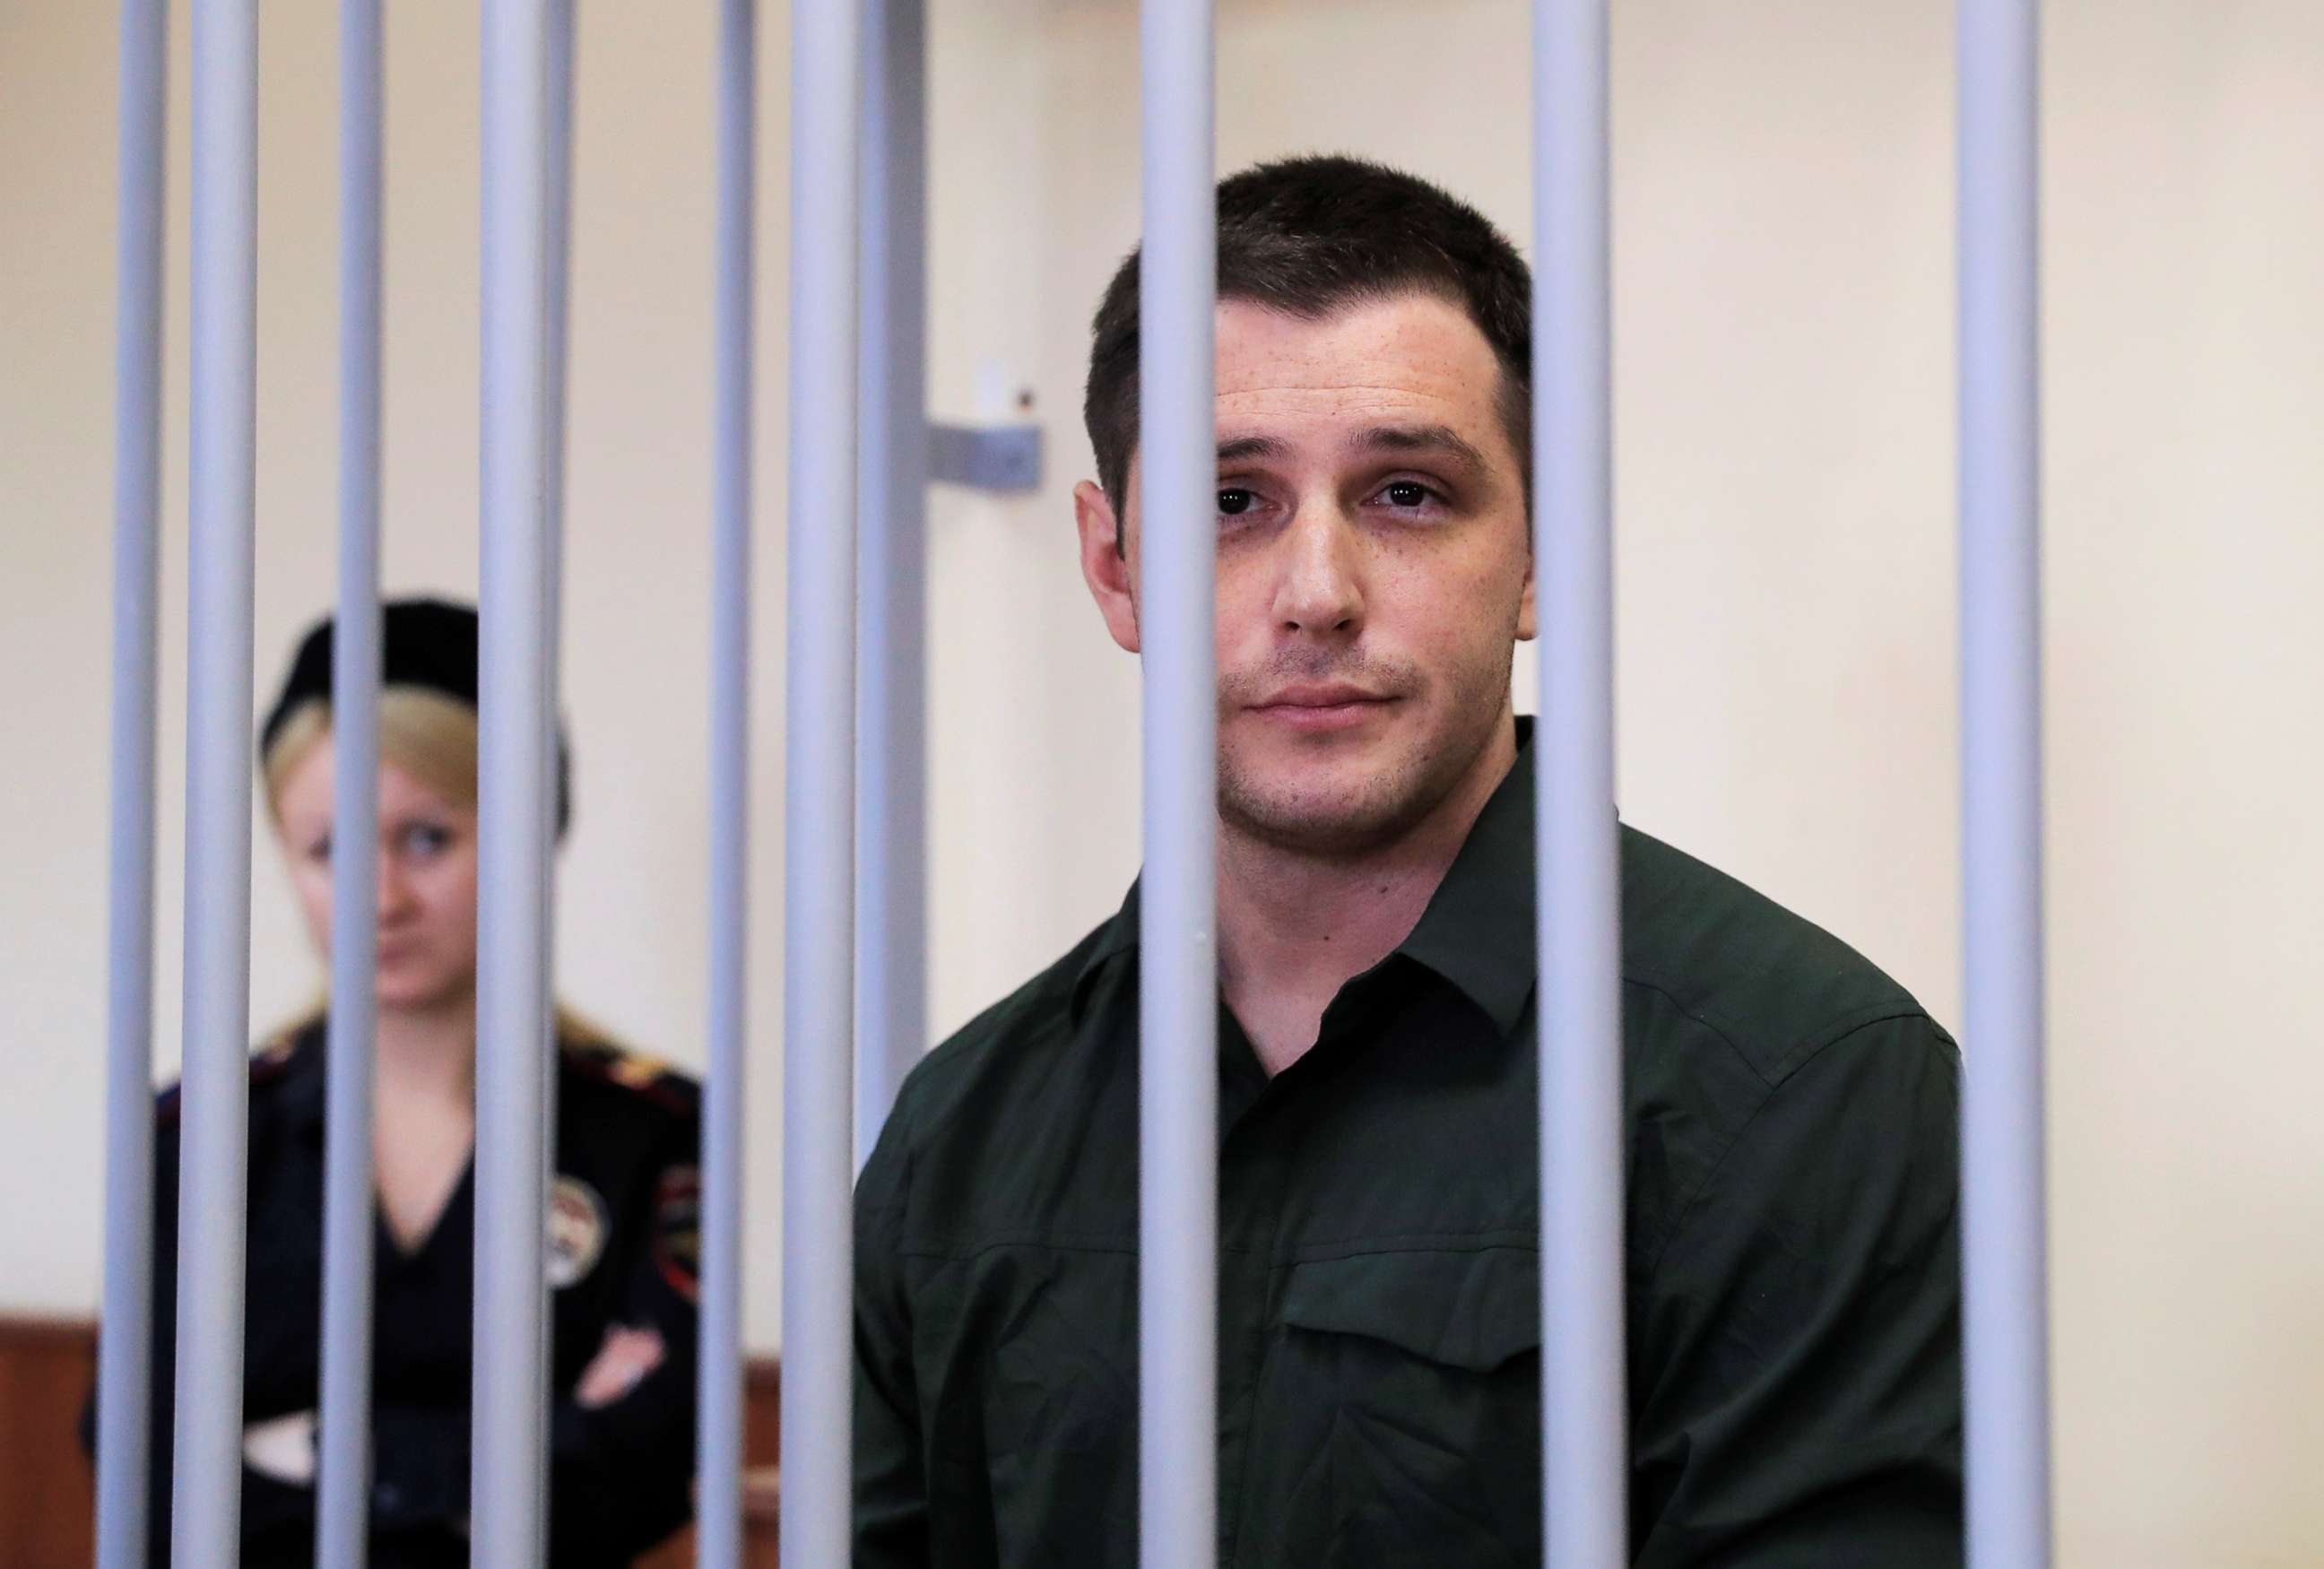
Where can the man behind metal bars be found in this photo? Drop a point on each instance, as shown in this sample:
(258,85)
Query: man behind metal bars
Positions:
(1792,1272)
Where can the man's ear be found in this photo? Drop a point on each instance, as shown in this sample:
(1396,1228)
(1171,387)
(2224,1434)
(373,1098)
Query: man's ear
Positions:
(1106,567)
(1528,614)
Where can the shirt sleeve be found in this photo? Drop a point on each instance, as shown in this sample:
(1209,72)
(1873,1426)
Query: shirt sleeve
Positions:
(891,1497)
(1796,1391)
(268,1505)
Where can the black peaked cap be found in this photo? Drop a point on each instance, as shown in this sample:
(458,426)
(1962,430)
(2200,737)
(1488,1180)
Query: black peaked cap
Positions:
(429,644)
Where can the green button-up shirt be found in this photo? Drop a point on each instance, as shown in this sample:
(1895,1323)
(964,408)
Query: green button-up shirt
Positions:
(1792,1268)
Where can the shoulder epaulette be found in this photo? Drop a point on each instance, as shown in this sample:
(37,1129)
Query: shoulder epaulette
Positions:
(596,1056)
(268,1062)
(274,1053)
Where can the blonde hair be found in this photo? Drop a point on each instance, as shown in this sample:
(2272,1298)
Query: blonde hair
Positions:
(429,735)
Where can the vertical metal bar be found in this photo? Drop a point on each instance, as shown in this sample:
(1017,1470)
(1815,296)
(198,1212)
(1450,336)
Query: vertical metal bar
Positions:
(126,1351)
(343,1502)
(818,829)
(718,1448)
(1177,535)
(509,1473)
(1584,1446)
(2005,1315)
(891,745)
(557,181)
(206,1508)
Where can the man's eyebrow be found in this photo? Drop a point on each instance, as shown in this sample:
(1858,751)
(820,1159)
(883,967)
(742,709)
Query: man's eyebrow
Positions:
(1243,447)
(1440,439)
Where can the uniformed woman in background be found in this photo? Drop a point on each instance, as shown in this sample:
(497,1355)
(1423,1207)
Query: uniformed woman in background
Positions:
(623,1210)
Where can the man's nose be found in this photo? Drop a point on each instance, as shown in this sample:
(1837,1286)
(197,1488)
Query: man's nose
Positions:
(1317,591)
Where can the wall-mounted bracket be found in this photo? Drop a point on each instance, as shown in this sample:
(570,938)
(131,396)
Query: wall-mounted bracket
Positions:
(998,458)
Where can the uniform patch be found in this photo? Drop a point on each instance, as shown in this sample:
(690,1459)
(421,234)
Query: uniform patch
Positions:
(577,1223)
(634,1070)
(677,1230)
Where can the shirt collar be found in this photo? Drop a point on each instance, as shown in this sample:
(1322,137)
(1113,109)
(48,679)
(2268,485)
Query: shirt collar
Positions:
(1478,930)
(1117,937)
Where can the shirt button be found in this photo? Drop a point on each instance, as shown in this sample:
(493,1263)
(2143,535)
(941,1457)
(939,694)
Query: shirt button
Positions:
(387,1497)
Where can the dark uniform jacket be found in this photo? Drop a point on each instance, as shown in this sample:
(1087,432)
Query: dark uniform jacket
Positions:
(622,1225)
(1792,1266)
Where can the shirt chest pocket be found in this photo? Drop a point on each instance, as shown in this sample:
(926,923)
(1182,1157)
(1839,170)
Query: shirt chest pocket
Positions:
(1397,1417)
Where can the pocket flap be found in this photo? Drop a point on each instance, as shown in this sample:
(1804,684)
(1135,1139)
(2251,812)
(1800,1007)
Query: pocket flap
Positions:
(1474,1309)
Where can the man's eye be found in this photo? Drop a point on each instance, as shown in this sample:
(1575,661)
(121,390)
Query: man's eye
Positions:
(426,840)
(1234,503)
(1406,492)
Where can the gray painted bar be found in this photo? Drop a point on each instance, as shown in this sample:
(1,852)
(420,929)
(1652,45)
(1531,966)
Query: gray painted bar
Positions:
(343,1479)
(1176,555)
(1584,1444)
(514,787)
(215,1106)
(558,180)
(819,815)
(718,1447)
(2004,1249)
(891,497)
(125,1356)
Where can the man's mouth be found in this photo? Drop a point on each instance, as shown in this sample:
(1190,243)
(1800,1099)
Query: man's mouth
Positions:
(1322,706)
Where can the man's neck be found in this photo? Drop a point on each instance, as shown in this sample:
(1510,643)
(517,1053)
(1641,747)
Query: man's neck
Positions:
(1294,927)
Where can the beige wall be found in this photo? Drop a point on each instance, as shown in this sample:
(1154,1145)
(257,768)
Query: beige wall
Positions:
(632,928)
(1784,480)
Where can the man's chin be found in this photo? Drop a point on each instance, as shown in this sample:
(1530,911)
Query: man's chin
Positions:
(1323,811)
(1345,800)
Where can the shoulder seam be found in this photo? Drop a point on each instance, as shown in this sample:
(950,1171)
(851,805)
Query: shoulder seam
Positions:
(1815,1046)
(1900,1006)
(1008,1027)
(1664,993)
(911,1152)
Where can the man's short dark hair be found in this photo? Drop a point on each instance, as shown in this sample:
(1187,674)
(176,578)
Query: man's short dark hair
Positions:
(1309,236)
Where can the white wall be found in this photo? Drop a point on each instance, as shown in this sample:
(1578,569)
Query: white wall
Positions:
(1783,479)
